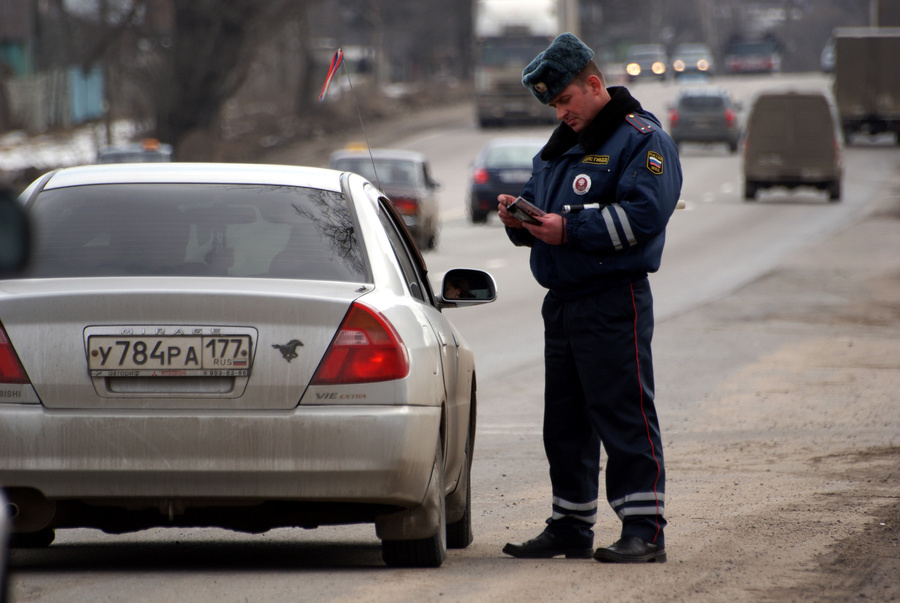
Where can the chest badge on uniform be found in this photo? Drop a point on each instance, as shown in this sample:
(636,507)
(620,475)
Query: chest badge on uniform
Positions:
(654,162)
(582,184)
(596,159)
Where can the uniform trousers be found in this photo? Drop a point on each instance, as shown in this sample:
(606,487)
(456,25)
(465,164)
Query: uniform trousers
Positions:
(599,389)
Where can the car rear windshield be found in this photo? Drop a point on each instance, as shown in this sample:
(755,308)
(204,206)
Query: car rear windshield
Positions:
(194,230)
(785,116)
(702,103)
(753,48)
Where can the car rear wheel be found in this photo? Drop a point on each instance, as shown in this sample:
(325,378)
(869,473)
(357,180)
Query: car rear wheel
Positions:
(459,532)
(834,191)
(479,217)
(423,552)
(750,189)
(32,540)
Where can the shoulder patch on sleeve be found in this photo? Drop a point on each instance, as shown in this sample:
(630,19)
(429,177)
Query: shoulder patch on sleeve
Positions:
(655,162)
(641,125)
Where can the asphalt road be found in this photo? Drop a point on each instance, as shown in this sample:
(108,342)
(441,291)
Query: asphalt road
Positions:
(777,380)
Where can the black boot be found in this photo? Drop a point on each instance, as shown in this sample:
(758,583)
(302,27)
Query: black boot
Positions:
(548,545)
(630,549)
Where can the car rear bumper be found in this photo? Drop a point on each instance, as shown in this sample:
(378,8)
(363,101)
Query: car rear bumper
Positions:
(378,455)
(720,135)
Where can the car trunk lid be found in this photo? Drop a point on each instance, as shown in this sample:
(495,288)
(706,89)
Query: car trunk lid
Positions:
(157,343)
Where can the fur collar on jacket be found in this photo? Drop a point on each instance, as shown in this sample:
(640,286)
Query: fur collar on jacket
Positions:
(612,114)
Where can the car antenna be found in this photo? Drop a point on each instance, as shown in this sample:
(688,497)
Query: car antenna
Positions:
(336,62)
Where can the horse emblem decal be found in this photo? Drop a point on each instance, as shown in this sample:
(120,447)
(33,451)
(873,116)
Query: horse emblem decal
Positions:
(289,350)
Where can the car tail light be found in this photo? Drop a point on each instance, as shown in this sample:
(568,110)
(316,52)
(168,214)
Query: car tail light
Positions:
(406,205)
(11,370)
(673,118)
(365,349)
(729,116)
(480,176)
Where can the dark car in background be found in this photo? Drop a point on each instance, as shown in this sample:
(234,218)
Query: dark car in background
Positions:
(792,139)
(646,61)
(503,166)
(753,56)
(692,59)
(405,177)
(705,115)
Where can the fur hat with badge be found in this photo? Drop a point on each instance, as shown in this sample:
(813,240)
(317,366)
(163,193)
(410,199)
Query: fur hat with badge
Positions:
(552,70)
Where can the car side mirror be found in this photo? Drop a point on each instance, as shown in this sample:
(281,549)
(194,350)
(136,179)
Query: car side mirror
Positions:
(466,287)
(15,235)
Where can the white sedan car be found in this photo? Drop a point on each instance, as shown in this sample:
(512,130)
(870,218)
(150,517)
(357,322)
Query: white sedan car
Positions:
(237,346)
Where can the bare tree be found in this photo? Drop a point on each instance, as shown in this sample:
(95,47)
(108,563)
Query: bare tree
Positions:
(209,58)
(180,60)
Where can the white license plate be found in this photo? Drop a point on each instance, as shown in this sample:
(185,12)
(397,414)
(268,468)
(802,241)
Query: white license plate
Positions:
(514,175)
(169,356)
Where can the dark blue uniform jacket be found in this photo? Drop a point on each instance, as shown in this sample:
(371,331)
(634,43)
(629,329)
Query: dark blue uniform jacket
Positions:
(622,160)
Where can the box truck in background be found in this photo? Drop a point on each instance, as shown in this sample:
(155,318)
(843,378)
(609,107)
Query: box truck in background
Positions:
(866,79)
(508,35)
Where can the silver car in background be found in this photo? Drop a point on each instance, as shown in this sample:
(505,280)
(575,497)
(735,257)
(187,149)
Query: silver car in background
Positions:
(237,346)
(405,177)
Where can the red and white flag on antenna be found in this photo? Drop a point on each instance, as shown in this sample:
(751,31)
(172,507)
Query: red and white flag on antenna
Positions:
(336,61)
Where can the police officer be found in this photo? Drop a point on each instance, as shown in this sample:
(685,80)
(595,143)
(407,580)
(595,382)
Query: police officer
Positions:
(610,159)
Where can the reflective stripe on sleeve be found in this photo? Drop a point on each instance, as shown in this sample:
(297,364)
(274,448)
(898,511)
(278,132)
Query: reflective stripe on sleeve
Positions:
(611,228)
(626,225)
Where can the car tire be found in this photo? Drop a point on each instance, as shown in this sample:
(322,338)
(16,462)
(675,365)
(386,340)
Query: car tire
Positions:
(423,552)
(834,191)
(32,540)
(848,135)
(479,217)
(750,189)
(732,146)
(459,532)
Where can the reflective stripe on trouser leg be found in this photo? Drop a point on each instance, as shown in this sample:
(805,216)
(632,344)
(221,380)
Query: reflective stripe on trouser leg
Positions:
(586,512)
(570,441)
